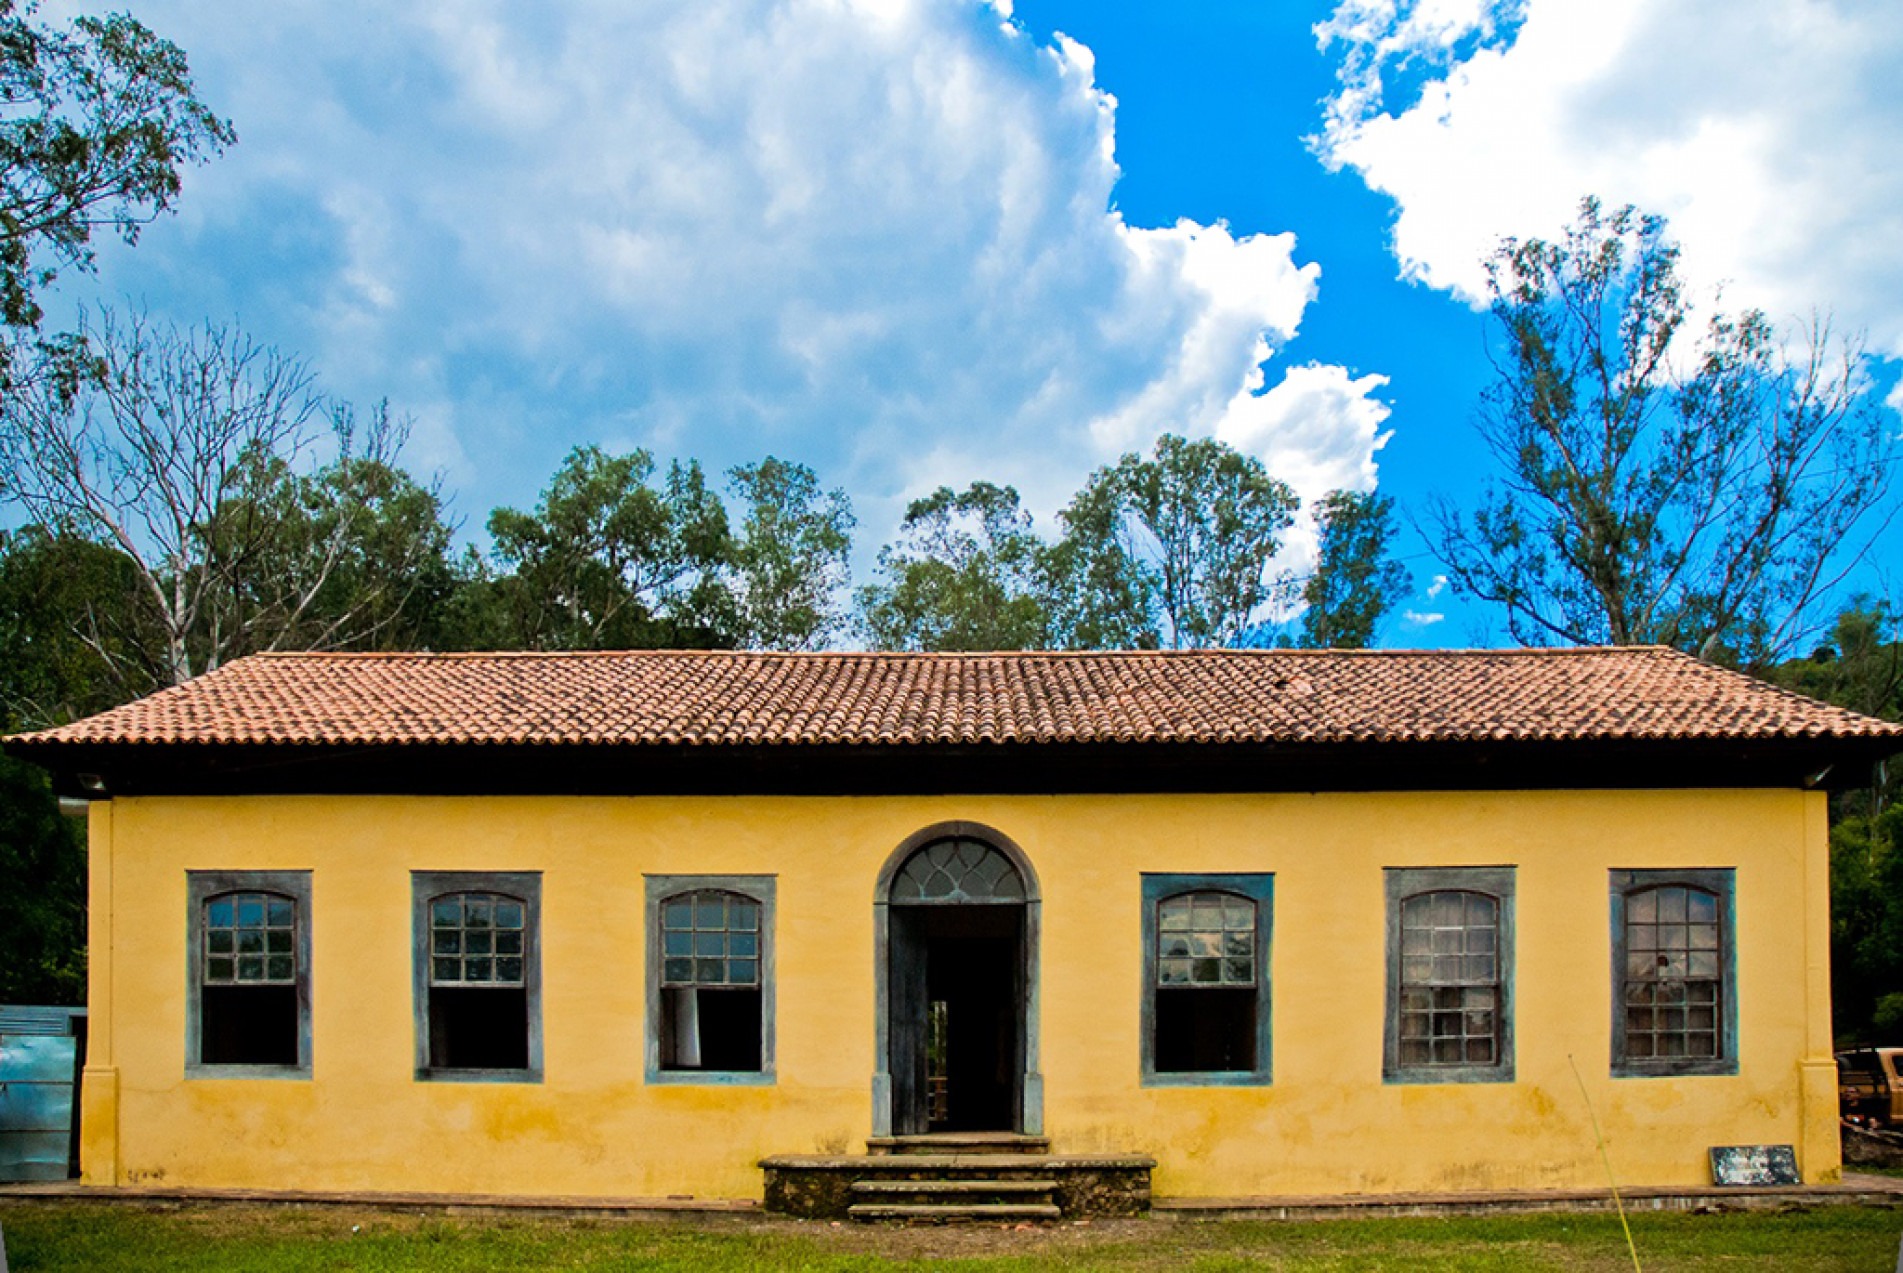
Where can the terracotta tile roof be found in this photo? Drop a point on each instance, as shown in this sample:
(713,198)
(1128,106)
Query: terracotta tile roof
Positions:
(700,698)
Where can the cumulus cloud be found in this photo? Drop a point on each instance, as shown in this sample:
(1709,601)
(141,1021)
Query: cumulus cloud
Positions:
(874,235)
(1766,130)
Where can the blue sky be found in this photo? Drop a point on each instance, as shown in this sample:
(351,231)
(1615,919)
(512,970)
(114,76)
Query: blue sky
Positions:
(912,242)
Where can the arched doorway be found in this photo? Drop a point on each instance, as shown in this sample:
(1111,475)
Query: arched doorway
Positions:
(956,918)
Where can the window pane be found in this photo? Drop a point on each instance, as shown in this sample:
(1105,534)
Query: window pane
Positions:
(710,911)
(710,944)
(250,967)
(446,912)
(446,969)
(218,913)
(218,941)
(509,969)
(277,940)
(250,941)
(1172,972)
(1701,908)
(475,911)
(678,913)
(709,972)
(745,945)
(743,916)
(678,971)
(508,915)
(250,912)
(1206,971)
(279,968)
(1238,915)
(278,912)
(478,969)
(743,972)
(509,942)
(1173,914)
(218,969)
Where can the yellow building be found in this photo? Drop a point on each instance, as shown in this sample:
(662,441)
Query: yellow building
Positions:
(1283,922)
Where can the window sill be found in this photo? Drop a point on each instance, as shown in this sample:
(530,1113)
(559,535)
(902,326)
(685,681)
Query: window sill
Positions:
(1208,1078)
(711,1078)
(479,1076)
(1673,1069)
(193,1070)
(1452,1074)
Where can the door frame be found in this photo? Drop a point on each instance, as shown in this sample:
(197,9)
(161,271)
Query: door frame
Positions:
(1030,1105)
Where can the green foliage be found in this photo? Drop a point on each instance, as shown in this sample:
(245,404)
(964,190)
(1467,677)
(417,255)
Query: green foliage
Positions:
(964,575)
(73,624)
(1660,484)
(609,560)
(101,117)
(1176,548)
(790,562)
(1862,669)
(1356,580)
(42,892)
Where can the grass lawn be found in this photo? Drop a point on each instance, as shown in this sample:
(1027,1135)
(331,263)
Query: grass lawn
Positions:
(89,1236)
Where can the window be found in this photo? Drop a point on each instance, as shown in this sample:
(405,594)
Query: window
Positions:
(1206,978)
(478,982)
(710,979)
(1674,1007)
(249,990)
(1450,975)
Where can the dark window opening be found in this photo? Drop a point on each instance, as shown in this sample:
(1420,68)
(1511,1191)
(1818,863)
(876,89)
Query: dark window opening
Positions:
(248,1025)
(710,1029)
(479,1027)
(711,1004)
(1200,1031)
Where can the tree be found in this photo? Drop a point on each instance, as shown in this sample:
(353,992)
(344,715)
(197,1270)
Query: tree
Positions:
(100,117)
(191,452)
(1180,543)
(1701,490)
(1861,668)
(790,561)
(1356,581)
(965,574)
(610,561)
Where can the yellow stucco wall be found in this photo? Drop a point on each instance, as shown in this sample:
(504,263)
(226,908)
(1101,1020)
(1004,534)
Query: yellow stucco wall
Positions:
(1328,1123)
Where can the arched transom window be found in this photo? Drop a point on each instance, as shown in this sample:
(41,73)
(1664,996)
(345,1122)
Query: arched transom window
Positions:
(955,871)
(1205,939)
(250,940)
(710,938)
(476,939)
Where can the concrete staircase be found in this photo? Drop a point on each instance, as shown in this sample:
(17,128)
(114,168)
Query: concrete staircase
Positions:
(957,1176)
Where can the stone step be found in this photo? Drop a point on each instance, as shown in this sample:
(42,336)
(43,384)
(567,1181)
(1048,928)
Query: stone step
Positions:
(954,1186)
(954,1211)
(960,1143)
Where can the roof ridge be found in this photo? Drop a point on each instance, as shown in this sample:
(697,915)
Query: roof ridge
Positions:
(1224,652)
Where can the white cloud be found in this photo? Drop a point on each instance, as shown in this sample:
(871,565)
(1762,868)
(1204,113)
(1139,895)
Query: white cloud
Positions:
(874,235)
(1422,619)
(1766,130)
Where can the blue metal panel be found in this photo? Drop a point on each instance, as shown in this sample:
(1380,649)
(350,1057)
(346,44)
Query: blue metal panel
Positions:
(36,1102)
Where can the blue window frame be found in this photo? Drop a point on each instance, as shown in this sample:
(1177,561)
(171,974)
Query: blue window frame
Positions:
(1450,975)
(710,982)
(1674,973)
(1206,1001)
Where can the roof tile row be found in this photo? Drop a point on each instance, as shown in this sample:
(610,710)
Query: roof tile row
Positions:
(717,698)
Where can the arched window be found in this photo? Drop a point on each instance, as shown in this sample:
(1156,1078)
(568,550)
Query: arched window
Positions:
(1450,959)
(479,994)
(710,978)
(250,978)
(1674,988)
(1206,966)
